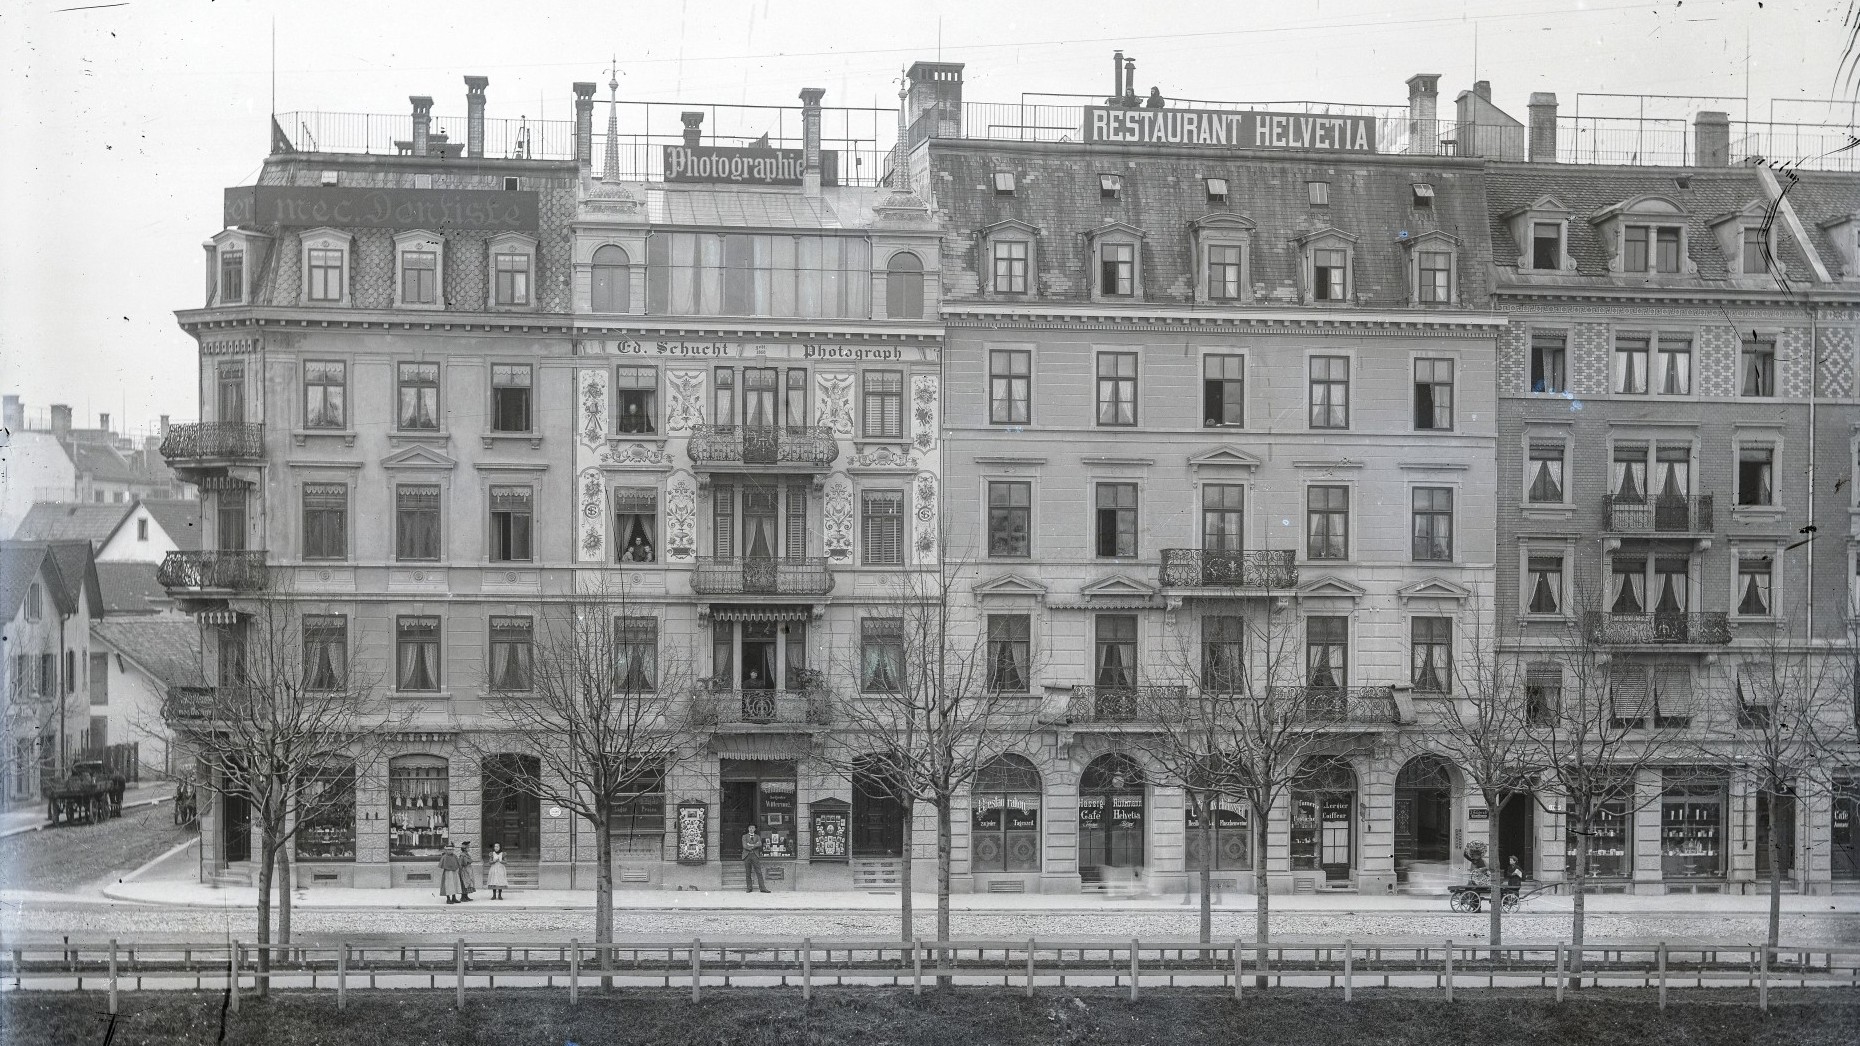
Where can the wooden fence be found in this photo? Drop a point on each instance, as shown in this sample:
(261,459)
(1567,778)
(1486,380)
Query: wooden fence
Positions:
(1029,964)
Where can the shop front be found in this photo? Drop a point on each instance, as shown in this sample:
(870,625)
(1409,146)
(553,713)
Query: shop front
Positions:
(419,818)
(511,808)
(761,792)
(1692,825)
(1112,820)
(1844,834)
(1610,832)
(1004,827)
(1424,821)
(1323,829)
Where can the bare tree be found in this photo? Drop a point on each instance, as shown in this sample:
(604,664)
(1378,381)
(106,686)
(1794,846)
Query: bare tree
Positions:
(603,709)
(295,711)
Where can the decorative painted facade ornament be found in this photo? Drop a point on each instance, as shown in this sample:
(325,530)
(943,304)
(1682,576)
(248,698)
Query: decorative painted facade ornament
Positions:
(592,547)
(624,454)
(834,399)
(593,384)
(923,411)
(925,537)
(680,519)
(686,409)
(836,518)
(884,456)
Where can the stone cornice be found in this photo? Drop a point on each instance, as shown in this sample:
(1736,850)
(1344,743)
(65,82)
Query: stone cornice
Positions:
(1176,318)
(262,319)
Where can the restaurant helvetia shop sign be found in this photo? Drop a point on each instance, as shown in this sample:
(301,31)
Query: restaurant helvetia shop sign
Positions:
(1237,130)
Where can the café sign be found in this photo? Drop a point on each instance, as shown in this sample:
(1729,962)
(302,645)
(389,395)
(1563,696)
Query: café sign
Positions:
(490,210)
(1237,130)
(737,166)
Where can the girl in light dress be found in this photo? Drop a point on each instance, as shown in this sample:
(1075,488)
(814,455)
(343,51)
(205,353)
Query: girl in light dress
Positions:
(496,878)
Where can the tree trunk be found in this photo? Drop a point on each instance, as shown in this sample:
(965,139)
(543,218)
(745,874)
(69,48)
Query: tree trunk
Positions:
(1207,872)
(604,891)
(1262,891)
(1775,852)
(907,918)
(943,831)
(267,855)
(1581,888)
(284,894)
(1496,804)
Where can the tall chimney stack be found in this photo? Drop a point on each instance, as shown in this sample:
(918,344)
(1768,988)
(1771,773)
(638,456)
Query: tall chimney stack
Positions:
(1483,88)
(422,122)
(474,115)
(1424,114)
(1712,133)
(1117,75)
(1130,78)
(694,128)
(934,104)
(1543,127)
(584,125)
(61,419)
(164,426)
(810,138)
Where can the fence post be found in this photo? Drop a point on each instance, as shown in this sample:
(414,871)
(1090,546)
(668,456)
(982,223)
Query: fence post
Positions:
(232,987)
(917,967)
(697,964)
(1029,967)
(1349,967)
(1763,981)
(1559,972)
(574,971)
(1239,968)
(458,963)
(1662,975)
(112,975)
(1134,974)
(342,977)
(1449,971)
(807,968)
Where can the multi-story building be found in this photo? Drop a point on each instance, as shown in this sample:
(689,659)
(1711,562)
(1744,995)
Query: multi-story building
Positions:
(443,393)
(48,459)
(49,598)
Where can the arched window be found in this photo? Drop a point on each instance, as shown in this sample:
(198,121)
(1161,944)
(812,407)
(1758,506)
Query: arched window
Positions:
(612,278)
(419,802)
(1112,818)
(1005,832)
(904,287)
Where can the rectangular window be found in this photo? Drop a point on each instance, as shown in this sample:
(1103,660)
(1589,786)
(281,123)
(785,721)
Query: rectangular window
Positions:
(794,400)
(1673,365)
(1010,387)
(510,398)
(1433,524)
(1319,193)
(1223,517)
(326,651)
(1327,269)
(1116,512)
(1754,464)
(1545,473)
(232,277)
(326,264)
(1634,251)
(1666,248)
(723,396)
(1327,653)
(1223,653)
(326,394)
(1610,832)
(884,404)
(419,396)
(1544,585)
(1754,574)
(1433,395)
(1114,656)
(1117,269)
(416,665)
(881,655)
(881,527)
(1330,392)
(511,525)
(1010,267)
(100,680)
(636,399)
(1547,246)
(1009,653)
(1543,692)
(512,274)
(326,521)
(1630,478)
(419,277)
(1692,828)
(636,525)
(1010,519)
(1327,522)
(1224,273)
(1436,268)
(231,519)
(1758,368)
(1117,388)
(1631,364)
(416,522)
(1431,655)
(1548,355)
(636,654)
(1223,391)
(1756,251)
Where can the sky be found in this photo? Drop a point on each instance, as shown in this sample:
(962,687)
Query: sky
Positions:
(120,123)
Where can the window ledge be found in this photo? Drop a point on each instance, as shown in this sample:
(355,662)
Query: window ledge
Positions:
(1757,511)
(1547,511)
(301,436)
(421,695)
(434,437)
(488,439)
(1544,619)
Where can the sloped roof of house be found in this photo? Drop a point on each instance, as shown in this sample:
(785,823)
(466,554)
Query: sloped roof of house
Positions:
(131,588)
(67,567)
(180,518)
(72,521)
(168,649)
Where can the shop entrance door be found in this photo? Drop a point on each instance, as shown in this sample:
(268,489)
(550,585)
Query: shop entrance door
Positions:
(877,817)
(1844,836)
(1323,836)
(1517,834)
(760,792)
(1423,815)
(1112,822)
(737,811)
(512,810)
(237,835)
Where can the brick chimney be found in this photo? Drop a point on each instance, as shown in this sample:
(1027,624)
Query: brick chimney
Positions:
(584,125)
(422,122)
(13,416)
(934,100)
(164,426)
(1711,131)
(1424,113)
(694,128)
(61,419)
(1543,127)
(103,422)
(1483,88)
(810,138)
(474,114)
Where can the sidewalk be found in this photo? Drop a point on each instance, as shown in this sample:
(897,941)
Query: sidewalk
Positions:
(31,816)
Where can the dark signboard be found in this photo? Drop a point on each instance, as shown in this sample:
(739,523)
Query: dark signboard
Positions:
(693,833)
(444,210)
(777,818)
(1478,813)
(718,163)
(1230,129)
(829,835)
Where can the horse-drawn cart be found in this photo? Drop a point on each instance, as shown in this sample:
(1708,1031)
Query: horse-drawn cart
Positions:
(91,793)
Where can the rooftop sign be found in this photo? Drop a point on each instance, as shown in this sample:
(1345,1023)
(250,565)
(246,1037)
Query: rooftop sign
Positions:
(439,209)
(1236,130)
(737,166)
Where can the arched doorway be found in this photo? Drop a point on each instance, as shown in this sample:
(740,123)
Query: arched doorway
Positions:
(1004,834)
(512,810)
(1111,816)
(610,289)
(878,812)
(1324,820)
(1423,815)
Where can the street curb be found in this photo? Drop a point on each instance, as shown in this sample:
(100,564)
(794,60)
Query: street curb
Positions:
(153,861)
(11,832)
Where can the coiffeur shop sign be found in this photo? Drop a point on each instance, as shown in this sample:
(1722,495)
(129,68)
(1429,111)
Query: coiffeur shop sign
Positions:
(1239,130)
(489,210)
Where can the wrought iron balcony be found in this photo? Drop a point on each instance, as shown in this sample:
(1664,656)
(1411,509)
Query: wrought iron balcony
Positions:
(793,446)
(1338,705)
(1123,704)
(1657,628)
(209,442)
(212,571)
(727,709)
(1198,568)
(796,576)
(1657,515)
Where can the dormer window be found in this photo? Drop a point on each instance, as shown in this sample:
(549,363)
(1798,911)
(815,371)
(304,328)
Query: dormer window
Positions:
(1431,258)
(1650,248)
(513,271)
(1116,253)
(1009,258)
(327,255)
(1110,185)
(1223,246)
(232,275)
(1646,235)
(1755,252)
(1217,190)
(1004,183)
(1327,265)
(1423,194)
(1547,246)
(419,278)
(1844,233)
(1320,193)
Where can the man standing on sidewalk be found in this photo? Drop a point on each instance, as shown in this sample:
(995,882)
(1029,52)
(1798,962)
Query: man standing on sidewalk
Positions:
(752,862)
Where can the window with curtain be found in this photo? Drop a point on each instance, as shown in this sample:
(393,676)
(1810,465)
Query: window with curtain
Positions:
(636,654)
(325,272)
(1754,465)
(416,654)
(418,389)
(1543,691)
(1115,650)
(1549,354)
(742,274)
(1433,395)
(1117,388)
(883,406)
(1431,654)
(1225,268)
(1004,835)
(1670,583)
(636,399)
(1628,581)
(1672,470)
(512,648)
(1223,517)
(1116,512)
(419,277)
(1631,364)
(1544,578)
(510,398)
(794,397)
(416,522)
(881,525)
(1117,269)
(1010,642)
(1010,266)
(325,394)
(1436,270)
(1673,365)
(1753,585)
(636,524)
(1630,472)
(723,396)
(1757,359)
(326,651)
(612,286)
(1223,391)
(511,524)
(904,287)
(1327,642)
(1327,522)
(1545,473)
(1223,653)
(881,655)
(1010,519)
(326,521)
(511,273)
(1010,386)
(1330,392)
(1433,524)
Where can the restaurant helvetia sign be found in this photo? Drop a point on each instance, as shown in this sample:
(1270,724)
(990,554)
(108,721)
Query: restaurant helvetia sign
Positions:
(1238,130)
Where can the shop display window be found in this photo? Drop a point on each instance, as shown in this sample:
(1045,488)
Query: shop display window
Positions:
(1610,841)
(326,808)
(418,808)
(1233,836)
(1692,830)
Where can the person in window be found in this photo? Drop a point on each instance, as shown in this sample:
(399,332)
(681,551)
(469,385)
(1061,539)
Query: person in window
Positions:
(639,551)
(1155,100)
(635,420)
(752,861)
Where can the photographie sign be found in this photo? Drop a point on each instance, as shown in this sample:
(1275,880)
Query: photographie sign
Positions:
(693,833)
(489,210)
(743,166)
(1230,129)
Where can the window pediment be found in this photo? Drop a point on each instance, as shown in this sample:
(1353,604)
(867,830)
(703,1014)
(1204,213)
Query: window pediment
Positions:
(1331,586)
(1647,205)
(1224,456)
(1009,586)
(1433,588)
(1327,236)
(1431,238)
(1543,208)
(419,456)
(1117,586)
(1009,227)
(1115,230)
(1222,222)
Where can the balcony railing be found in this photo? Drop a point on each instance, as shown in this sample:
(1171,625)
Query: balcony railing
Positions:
(732,708)
(797,576)
(1123,704)
(1657,628)
(213,571)
(214,441)
(1337,705)
(1657,515)
(808,446)
(1196,568)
